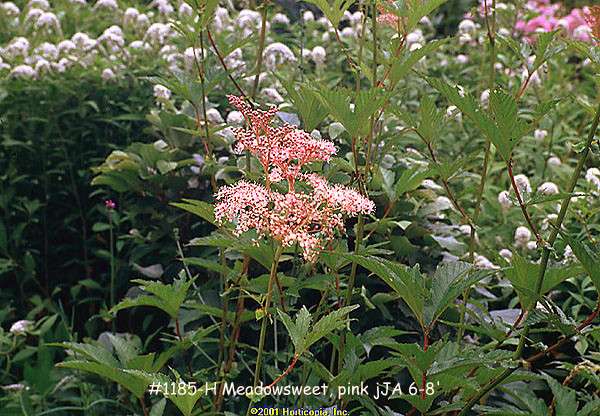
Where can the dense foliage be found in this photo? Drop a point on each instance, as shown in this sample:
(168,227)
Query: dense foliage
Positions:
(397,200)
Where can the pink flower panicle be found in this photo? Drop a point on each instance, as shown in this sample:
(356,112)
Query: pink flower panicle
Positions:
(308,218)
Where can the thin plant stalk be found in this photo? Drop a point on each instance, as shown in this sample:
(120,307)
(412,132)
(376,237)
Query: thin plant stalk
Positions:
(265,318)
(261,48)
(112,261)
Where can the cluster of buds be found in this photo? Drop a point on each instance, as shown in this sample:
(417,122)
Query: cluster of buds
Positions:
(309,217)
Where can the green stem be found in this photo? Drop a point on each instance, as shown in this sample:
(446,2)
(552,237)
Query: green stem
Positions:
(486,160)
(265,318)
(112,261)
(543,264)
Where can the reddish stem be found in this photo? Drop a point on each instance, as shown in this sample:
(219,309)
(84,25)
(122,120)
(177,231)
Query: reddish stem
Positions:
(286,372)
(224,65)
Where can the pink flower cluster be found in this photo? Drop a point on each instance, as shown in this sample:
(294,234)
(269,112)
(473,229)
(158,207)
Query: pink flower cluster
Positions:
(284,149)
(309,218)
(542,16)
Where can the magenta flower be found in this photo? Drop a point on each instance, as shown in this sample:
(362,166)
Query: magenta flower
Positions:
(110,204)
(309,218)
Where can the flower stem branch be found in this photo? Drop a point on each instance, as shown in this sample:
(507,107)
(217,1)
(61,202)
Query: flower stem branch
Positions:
(515,187)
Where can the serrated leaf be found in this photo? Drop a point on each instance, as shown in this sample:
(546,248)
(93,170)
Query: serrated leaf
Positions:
(545,48)
(503,128)
(565,398)
(168,298)
(408,283)
(523,275)
(306,101)
(331,322)
(410,179)
(133,383)
(303,335)
(366,103)
(449,281)
(402,65)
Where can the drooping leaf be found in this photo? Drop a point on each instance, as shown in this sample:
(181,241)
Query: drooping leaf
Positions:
(202,209)
(408,283)
(133,383)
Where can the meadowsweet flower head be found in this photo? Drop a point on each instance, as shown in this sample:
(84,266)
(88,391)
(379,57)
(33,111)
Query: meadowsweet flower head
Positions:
(277,54)
(106,4)
(310,217)
(47,20)
(523,184)
(20,327)
(522,236)
(162,93)
(318,55)
(548,188)
(23,71)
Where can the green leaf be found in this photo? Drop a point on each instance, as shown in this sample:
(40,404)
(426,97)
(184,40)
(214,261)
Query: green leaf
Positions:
(3,238)
(411,12)
(545,49)
(184,402)
(502,127)
(303,335)
(505,113)
(133,383)
(524,274)
(566,399)
(408,283)
(410,179)
(402,65)
(202,209)
(366,103)
(159,408)
(306,100)
(449,281)
(169,298)
(329,323)
(418,9)
(589,259)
